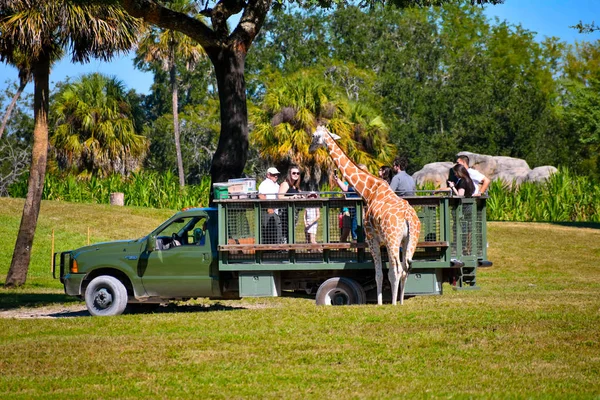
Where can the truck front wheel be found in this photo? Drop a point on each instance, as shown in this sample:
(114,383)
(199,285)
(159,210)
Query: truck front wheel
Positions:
(105,296)
(340,292)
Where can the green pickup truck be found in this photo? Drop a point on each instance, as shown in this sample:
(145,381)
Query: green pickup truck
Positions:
(230,251)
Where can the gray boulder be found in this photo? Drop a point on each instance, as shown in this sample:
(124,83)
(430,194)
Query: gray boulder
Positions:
(436,172)
(508,169)
(485,164)
(541,174)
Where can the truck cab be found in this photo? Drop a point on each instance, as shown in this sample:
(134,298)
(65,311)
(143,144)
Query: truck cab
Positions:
(177,260)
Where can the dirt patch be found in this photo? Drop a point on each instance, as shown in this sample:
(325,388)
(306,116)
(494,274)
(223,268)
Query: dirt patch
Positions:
(79,310)
(48,312)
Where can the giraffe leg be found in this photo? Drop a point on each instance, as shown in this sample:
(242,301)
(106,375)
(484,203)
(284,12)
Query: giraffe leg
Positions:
(393,273)
(406,259)
(403,277)
(374,244)
(376,254)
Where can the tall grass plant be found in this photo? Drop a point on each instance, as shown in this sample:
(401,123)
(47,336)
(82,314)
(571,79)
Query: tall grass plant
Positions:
(564,197)
(144,189)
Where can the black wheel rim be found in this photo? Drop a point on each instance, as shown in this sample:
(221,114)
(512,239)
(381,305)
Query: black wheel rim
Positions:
(103,299)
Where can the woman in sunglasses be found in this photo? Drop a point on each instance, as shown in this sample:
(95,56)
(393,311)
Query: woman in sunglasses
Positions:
(289,187)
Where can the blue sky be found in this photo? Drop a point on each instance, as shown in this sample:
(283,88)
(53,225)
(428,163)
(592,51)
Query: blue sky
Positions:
(546,17)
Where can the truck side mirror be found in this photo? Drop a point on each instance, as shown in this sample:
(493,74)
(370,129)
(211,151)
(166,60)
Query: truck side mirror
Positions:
(151,243)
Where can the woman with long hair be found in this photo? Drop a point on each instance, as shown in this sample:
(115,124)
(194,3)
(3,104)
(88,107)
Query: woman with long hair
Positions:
(463,185)
(291,185)
(289,188)
(386,173)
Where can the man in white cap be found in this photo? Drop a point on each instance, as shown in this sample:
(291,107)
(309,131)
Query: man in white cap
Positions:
(271,223)
(269,188)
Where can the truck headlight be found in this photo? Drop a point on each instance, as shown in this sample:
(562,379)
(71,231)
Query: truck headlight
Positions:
(74,267)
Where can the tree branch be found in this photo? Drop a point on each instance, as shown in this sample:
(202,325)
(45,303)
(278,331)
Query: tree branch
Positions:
(586,28)
(166,18)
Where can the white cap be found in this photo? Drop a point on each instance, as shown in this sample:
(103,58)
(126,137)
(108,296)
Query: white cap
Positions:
(273,171)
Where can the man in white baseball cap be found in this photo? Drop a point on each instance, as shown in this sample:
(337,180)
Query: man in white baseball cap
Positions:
(269,188)
(271,223)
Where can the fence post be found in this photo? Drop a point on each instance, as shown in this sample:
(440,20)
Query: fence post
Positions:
(117,199)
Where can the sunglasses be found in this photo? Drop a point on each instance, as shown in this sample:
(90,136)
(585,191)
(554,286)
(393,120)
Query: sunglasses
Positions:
(295,173)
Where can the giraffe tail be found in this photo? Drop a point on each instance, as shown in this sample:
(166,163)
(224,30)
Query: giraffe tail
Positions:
(414,230)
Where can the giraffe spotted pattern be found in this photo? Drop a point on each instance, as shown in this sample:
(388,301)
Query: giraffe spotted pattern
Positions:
(388,219)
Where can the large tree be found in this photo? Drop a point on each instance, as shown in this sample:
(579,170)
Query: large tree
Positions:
(227,51)
(41,30)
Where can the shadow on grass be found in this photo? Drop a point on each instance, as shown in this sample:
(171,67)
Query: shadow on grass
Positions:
(157,309)
(11,300)
(37,304)
(592,225)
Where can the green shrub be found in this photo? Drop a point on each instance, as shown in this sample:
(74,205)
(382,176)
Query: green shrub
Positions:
(563,198)
(145,189)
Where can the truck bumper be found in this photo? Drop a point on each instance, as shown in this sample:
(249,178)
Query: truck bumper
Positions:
(72,284)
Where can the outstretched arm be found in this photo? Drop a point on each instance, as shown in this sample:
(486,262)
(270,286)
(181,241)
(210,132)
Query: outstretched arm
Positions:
(485,183)
(343,185)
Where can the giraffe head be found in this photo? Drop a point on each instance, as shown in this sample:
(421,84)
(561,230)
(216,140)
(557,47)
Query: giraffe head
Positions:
(318,139)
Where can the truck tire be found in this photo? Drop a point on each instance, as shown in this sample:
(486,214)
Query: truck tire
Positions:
(105,296)
(362,295)
(340,292)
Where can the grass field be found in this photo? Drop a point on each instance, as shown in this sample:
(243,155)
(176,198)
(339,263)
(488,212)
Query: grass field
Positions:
(531,331)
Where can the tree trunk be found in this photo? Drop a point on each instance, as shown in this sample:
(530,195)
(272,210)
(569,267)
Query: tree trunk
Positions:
(17,274)
(232,151)
(12,105)
(175,99)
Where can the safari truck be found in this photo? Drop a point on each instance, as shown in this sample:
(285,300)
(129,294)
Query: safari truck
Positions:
(250,247)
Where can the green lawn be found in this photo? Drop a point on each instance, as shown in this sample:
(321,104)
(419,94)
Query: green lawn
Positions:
(532,331)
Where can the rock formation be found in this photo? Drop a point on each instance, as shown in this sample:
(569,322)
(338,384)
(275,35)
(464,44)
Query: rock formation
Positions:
(507,169)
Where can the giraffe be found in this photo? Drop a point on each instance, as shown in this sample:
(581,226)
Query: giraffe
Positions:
(389,220)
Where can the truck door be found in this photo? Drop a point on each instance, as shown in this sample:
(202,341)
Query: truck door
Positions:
(179,266)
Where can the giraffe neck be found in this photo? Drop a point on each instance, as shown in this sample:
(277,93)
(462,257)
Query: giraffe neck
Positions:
(356,177)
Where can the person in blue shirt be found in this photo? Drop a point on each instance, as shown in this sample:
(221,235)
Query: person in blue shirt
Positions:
(402,183)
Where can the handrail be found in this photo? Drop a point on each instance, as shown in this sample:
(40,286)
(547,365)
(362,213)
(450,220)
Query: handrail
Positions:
(314,246)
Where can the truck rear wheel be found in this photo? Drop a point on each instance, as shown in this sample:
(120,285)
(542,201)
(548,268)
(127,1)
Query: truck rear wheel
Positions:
(340,292)
(105,296)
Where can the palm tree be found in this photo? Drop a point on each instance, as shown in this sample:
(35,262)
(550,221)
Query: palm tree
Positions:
(292,109)
(94,131)
(40,30)
(166,47)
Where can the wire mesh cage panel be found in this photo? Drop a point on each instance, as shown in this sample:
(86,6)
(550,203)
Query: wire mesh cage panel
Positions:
(309,228)
(454,212)
(241,229)
(479,229)
(273,229)
(344,228)
(430,216)
(466,227)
